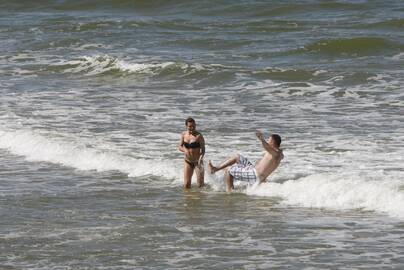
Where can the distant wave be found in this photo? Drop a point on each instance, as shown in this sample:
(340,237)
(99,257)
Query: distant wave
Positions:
(95,65)
(288,74)
(108,65)
(274,26)
(115,67)
(216,8)
(168,24)
(285,9)
(353,46)
(73,5)
(305,77)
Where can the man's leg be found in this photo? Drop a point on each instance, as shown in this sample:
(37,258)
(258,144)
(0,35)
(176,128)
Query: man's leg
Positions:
(229,180)
(227,163)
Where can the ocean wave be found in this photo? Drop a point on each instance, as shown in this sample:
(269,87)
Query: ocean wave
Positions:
(97,65)
(40,148)
(114,66)
(288,74)
(398,56)
(212,43)
(359,46)
(259,9)
(109,65)
(71,5)
(220,8)
(306,76)
(275,26)
(66,25)
(177,24)
(339,192)
(287,9)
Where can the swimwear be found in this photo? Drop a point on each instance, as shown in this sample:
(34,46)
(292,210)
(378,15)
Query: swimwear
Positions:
(244,171)
(192,145)
(193,164)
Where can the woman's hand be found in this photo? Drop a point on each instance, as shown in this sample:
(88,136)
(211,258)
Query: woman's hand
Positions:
(200,161)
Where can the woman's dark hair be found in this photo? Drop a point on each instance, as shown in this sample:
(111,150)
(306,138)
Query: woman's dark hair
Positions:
(277,139)
(189,120)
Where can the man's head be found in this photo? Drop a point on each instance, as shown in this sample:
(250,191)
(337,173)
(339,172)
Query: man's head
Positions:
(275,140)
(190,124)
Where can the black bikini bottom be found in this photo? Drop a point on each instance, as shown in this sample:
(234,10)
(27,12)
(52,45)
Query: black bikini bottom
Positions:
(192,164)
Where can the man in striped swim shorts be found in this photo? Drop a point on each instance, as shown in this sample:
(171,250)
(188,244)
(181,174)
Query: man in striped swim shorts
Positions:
(241,169)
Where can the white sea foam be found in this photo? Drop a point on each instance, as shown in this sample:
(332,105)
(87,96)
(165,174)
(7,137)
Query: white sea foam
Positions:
(98,64)
(35,147)
(90,46)
(398,57)
(94,65)
(319,72)
(340,192)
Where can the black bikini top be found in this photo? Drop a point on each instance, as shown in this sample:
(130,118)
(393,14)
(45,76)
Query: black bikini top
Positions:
(192,145)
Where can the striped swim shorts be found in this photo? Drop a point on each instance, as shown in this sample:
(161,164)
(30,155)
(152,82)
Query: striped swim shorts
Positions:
(244,171)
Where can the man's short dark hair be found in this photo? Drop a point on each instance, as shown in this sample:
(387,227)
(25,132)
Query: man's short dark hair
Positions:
(189,120)
(277,139)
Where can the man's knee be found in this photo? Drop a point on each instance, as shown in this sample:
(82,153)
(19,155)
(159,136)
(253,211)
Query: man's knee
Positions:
(227,174)
(228,179)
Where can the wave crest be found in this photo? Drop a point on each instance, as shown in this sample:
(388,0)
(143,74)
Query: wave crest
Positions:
(108,65)
(339,192)
(35,147)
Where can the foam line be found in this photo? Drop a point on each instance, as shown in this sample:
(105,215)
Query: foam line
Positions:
(35,147)
(99,64)
(338,192)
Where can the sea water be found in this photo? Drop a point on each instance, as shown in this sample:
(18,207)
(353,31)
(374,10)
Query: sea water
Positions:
(94,95)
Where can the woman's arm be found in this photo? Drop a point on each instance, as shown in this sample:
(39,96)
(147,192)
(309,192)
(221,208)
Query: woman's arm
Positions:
(202,143)
(181,146)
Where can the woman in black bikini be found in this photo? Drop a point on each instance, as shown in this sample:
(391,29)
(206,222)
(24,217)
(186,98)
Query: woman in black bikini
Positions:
(193,146)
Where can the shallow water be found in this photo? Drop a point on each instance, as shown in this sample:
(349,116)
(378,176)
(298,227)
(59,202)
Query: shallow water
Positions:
(93,99)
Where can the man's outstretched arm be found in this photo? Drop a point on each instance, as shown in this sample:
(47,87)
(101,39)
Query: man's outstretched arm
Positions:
(265,144)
